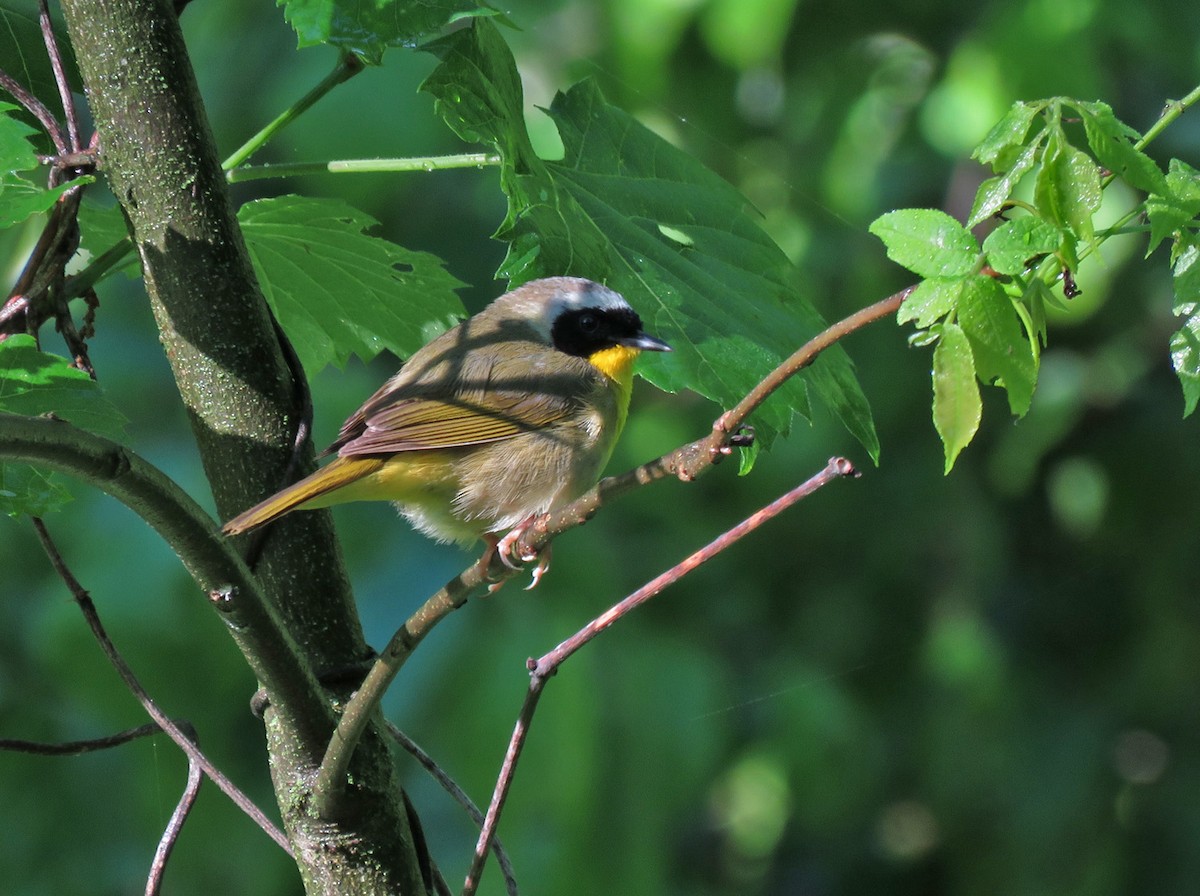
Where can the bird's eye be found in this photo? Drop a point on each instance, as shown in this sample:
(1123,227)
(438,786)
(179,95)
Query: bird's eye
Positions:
(588,322)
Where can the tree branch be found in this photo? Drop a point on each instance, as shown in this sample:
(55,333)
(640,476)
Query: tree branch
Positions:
(185,739)
(183,525)
(541,670)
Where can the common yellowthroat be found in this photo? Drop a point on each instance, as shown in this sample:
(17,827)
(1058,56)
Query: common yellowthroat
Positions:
(509,415)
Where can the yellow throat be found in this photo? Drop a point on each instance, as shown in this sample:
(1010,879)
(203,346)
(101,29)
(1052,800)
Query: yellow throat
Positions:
(616,363)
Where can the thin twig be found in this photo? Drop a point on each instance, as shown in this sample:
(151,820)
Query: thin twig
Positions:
(503,783)
(348,65)
(363,166)
(174,826)
(1173,110)
(177,734)
(37,109)
(60,76)
(362,705)
(459,796)
(75,747)
(731,420)
(686,463)
(542,669)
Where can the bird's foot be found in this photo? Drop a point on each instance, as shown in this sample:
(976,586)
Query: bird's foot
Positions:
(505,549)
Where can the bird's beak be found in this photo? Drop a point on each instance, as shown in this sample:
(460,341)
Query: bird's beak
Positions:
(646,343)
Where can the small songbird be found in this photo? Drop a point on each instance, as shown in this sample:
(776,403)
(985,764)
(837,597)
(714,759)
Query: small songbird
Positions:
(509,415)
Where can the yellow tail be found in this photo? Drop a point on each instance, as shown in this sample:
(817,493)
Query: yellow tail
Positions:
(306,493)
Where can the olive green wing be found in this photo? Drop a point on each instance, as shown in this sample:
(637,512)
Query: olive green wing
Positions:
(423,424)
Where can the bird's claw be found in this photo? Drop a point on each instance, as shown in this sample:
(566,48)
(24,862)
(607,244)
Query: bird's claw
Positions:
(505,549)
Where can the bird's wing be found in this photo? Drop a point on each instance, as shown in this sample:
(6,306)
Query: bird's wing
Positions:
(421,424)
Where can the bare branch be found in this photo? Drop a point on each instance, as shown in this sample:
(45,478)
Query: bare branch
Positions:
(174,825)
(37,109)
(459,796)
(362,706)
(212,561)
(75,747)
(60,76)
(184,739)
(542,669)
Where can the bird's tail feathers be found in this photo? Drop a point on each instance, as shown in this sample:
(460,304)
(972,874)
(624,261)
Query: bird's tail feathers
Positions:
(307,493)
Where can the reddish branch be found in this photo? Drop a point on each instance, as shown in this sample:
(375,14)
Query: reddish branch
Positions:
(541,670)
(38,295)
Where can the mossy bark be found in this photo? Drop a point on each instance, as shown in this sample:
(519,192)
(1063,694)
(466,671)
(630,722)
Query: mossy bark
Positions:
(159,157)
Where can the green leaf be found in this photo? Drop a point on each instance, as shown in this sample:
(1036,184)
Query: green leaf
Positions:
(1185,359)
(1112,142)
(1007,135)
(1185,342)
(627,208)
(337,291)
(1002,350)
(1177,206)
(369,27)
(930,302)
(101,228)
(1014,244)
(19,197)
(747,455)
(928,242)
(1067,190)
(23,56)
(32,383)
(957,408)
(994,192)
(28,491)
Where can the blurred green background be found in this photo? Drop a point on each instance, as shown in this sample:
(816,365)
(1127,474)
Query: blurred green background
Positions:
(911,684)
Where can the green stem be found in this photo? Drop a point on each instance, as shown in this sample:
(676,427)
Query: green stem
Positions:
(361,166)
(94,272)
(347,67)
(1174,109)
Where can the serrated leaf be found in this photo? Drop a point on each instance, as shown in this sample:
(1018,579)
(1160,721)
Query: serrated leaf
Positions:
(1185,342)
(1037,297)
(1014,244)
(28,491)
(928,242)
(369,27)
(16,152)
(627,208)
(1185,276)
(19,197)
(1007,134)
(337,291)
(23,54)
(1177,206)
(1112,142)
(957,408)
(1185,359)
(1000,347)
(994,192)
(930,301)
(33,382)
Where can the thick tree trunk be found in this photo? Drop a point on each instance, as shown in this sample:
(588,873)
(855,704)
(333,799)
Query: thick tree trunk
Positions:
(158,155)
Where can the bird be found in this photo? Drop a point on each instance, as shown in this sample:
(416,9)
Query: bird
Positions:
(509,415)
